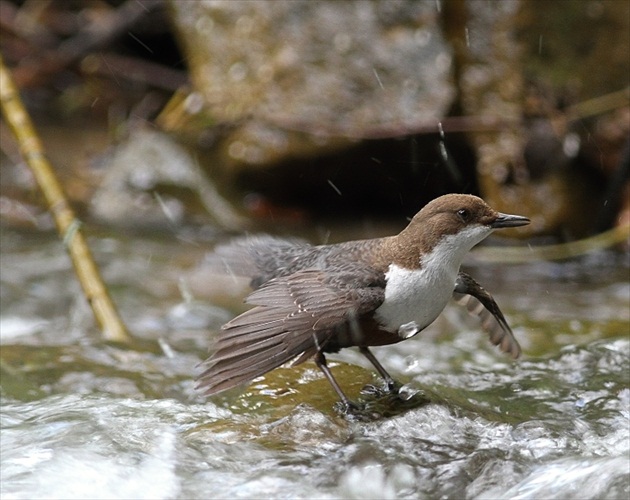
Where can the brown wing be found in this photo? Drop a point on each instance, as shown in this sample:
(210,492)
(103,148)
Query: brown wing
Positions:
(293,316)
(479,302)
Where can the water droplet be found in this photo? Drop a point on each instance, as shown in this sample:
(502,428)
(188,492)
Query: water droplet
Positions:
(408,330)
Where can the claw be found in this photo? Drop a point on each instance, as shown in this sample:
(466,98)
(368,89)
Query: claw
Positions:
(393,386)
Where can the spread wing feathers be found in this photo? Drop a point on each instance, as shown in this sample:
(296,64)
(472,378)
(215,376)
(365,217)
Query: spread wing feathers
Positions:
(294,316)
(480,303)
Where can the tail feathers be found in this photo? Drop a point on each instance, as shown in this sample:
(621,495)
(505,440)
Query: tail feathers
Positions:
(233,259)
(254,257)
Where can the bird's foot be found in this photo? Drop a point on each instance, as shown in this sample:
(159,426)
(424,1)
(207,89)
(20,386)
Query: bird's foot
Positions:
(371,390)
(391,388)
(348,409)
(355,412)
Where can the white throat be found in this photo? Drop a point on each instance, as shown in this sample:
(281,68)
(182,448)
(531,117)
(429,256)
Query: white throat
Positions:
(415,297)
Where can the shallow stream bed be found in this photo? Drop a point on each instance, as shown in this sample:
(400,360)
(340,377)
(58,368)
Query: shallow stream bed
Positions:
(84,419)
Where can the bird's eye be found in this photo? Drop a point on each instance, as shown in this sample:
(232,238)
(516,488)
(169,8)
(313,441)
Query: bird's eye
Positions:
(464,214)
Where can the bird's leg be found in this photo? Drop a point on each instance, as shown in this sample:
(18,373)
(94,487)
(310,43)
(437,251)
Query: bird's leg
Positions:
(392,385)
(320,361)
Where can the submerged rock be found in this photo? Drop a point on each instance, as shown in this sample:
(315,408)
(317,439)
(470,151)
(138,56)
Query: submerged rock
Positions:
(141,175)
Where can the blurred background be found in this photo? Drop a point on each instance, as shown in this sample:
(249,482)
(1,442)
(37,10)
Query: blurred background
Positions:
(176,125)
(297,111)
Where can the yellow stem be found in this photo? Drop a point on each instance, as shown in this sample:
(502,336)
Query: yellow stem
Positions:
(67,224)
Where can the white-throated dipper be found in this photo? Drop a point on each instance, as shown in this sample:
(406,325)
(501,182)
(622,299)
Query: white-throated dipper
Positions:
(311,300)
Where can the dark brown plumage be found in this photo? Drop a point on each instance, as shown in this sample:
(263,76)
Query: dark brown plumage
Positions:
(310,300)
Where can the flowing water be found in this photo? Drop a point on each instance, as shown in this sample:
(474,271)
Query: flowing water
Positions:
(85,419)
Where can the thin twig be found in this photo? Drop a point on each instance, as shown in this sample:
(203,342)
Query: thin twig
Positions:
(514,255)
(134,69)
(68,225)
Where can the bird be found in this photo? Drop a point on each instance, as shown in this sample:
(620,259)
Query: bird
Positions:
(311,300)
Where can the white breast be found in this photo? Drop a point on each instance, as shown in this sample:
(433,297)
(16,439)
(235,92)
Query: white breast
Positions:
(415,297)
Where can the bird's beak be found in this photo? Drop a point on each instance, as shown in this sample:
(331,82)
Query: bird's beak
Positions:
(505,220)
